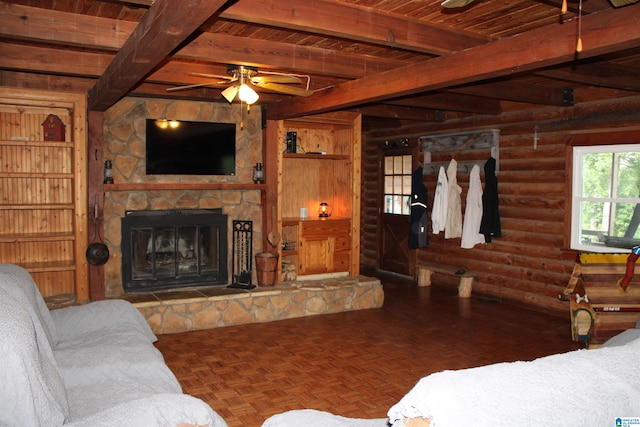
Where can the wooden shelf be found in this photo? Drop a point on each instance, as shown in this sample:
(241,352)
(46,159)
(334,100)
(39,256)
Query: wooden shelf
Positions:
(315,156)
(158,186)
(41,175)
(46,267)
(36,237)
(32,207)
(21,143)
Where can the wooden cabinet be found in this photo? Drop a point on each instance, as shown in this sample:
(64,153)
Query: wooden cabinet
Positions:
(324,168)
(42,187)
(325,246)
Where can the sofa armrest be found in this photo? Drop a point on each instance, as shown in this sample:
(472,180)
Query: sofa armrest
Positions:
(161,410)
(72,322)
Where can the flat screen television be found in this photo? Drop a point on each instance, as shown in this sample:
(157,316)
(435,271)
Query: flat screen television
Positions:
(190,148)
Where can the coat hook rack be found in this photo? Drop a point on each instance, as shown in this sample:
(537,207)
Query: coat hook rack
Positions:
(455,143)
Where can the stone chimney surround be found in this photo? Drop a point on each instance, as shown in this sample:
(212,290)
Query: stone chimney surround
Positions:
(125,147)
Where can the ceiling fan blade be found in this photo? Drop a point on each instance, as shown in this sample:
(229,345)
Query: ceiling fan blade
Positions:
(173,89)
(276,79)
(289,90)
(213,76)
(450,4)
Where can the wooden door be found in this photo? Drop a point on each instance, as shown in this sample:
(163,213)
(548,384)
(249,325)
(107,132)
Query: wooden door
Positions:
(316,255)
(394,254)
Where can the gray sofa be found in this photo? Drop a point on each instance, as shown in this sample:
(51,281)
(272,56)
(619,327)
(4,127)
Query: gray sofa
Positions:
(90,365)
(599,387)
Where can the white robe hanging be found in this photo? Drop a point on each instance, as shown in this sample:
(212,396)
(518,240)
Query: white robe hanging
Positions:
(453,224)
(471,235)
(439,210)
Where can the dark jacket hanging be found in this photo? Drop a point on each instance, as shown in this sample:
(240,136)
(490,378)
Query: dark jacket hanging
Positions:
(418,233)
(490,225)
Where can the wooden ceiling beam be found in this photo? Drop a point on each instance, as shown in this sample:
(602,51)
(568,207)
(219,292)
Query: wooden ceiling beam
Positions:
(602,32)
(161,30)
(609,75)
(41,59)
(63,28)
(451,102)
(306,59)
(354,23)
(401,113)
(350,22)
(520,92)
(70,29)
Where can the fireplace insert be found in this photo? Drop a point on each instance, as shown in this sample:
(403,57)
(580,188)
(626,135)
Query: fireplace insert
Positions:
(172,249)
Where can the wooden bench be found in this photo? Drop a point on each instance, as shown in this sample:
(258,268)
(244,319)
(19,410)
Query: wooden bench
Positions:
(425,270)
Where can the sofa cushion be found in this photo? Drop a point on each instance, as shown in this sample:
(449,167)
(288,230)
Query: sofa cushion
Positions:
(76,321)
(20,285)
(31,390)
(111,367)
(160,410)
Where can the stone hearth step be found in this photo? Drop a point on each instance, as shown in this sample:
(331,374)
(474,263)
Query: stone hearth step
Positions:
(205,308)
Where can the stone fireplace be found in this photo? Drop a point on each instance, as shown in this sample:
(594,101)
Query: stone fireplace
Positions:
(174,248)
(133,190)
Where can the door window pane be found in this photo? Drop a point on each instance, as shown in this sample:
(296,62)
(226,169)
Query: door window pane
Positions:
(397,185)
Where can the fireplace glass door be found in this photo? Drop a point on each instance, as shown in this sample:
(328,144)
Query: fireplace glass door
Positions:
(170,251)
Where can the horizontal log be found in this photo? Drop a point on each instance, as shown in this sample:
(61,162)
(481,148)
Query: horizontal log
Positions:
(550,189)
(532,225)
(537,201)
(532,176)
(525,213)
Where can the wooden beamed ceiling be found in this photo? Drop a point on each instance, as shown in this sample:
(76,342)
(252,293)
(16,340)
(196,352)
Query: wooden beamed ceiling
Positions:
(403,61)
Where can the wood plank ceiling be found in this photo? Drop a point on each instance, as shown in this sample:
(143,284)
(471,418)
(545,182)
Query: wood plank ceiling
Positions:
(398,60)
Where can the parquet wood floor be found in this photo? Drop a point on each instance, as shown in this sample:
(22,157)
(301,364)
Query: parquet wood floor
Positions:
(355,364)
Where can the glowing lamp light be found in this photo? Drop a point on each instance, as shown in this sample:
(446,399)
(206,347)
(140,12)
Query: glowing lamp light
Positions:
(247,94)
(323,212)
(244,92)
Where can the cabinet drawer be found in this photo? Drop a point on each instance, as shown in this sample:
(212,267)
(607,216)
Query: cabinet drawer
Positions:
(343,243)
(341,261)
(328,227)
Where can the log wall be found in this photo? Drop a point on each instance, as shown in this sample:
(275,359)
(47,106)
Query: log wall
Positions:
(531,262)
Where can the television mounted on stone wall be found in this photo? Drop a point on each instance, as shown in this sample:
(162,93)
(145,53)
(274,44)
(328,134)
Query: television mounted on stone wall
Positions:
(190,148)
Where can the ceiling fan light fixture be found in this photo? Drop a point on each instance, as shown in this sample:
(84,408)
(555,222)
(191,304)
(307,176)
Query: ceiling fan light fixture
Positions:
(247,94)
(230,93)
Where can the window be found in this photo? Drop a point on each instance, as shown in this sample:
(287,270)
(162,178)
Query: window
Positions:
(606,198)
(397,185)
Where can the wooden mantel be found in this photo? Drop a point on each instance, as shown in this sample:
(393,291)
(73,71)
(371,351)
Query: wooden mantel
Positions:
(178,186)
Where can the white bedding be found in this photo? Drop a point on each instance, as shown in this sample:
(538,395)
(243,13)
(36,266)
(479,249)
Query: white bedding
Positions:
(314,418)
(579,388)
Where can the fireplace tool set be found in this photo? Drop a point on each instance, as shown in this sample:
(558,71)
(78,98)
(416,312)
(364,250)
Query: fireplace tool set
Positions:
(242,255)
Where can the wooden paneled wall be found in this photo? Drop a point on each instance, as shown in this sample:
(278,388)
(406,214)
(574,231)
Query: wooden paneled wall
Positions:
(530,262)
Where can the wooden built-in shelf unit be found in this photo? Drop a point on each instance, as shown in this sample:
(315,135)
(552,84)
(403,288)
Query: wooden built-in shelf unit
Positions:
(307,178)
(43,208)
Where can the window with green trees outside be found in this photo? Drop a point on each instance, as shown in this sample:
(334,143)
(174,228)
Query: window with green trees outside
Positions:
(606,198)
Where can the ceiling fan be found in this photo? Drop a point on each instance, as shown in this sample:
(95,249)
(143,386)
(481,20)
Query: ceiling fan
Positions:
(242,77)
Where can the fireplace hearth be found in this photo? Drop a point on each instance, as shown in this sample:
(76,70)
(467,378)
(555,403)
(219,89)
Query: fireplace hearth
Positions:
(172,249)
